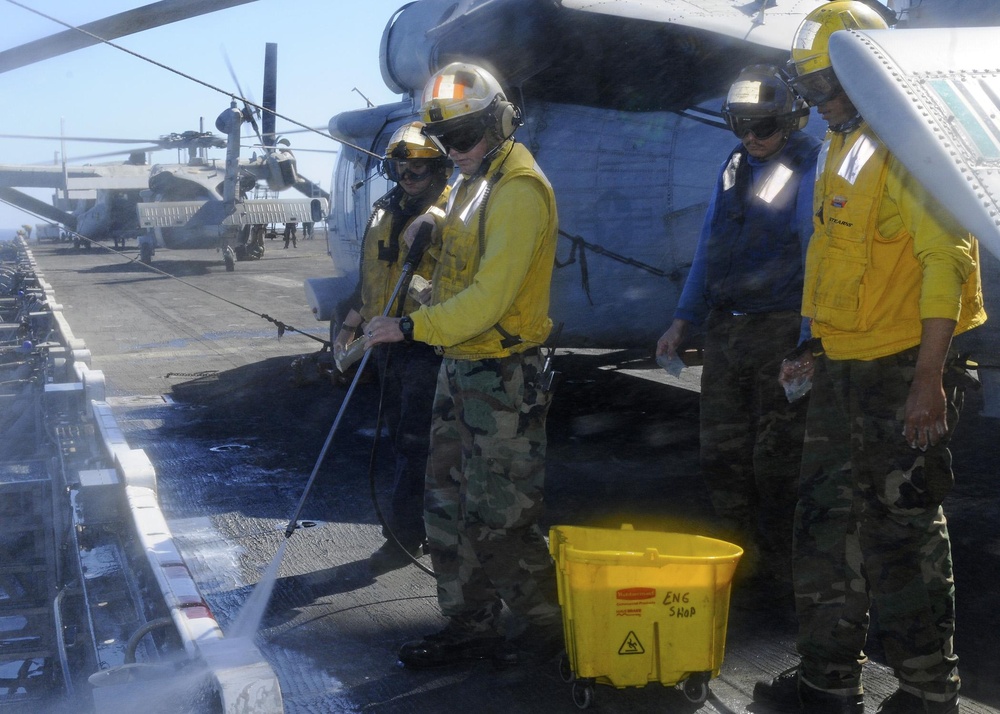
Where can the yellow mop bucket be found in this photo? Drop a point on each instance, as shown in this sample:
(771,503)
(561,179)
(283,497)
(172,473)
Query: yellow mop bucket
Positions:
(642,606)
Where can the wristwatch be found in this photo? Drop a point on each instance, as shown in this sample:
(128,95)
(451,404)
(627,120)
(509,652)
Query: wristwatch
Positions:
(406,327)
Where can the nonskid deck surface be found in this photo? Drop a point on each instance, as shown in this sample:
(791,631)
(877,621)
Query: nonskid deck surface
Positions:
(233,419)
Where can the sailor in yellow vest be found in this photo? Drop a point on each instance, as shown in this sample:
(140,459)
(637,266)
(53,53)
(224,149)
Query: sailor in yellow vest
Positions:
(488,315)
(890,278)
(407,372)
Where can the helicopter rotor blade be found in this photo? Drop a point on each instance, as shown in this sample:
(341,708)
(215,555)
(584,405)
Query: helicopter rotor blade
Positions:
(95,139)
(138,149)
(248,110)
(109,28)
(270,97)
(232,74)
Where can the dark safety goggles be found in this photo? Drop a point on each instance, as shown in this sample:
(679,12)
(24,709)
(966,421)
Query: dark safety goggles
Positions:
(462,138)
(401,170)
(816,87)
(760,127)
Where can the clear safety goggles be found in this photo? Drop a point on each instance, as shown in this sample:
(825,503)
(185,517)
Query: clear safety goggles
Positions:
(816,87)
(400,170)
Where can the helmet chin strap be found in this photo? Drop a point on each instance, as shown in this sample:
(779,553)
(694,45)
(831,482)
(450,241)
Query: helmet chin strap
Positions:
(491,154)
(846,127)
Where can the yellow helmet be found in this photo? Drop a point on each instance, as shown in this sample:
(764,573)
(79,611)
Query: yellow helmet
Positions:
(409,149)
(810,71)
(461,101)
(410,142)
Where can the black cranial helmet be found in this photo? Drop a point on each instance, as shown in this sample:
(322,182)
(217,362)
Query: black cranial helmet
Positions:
(761,102)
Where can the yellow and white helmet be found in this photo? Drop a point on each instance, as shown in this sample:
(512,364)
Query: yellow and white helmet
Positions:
(409,149)
(810,72)
(461,101)
(410,142)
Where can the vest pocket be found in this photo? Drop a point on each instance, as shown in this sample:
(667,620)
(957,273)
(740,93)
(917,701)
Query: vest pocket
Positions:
(840,292)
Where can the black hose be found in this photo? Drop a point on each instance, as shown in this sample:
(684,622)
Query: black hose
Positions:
(133,641)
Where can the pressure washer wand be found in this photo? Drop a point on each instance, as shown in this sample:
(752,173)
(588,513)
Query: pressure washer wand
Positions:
(420,243)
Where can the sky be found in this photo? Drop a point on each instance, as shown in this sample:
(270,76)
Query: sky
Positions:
(326,49)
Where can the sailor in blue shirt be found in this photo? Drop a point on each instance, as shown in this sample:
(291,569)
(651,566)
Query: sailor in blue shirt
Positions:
(745,287)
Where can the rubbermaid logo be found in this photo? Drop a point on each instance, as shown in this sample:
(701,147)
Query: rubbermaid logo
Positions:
(636,594)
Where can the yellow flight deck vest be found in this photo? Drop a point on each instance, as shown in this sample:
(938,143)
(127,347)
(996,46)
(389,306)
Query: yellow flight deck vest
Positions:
(493,267)
(869,281)
(379,276)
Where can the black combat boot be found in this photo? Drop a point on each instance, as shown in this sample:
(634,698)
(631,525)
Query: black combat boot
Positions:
(900,702)
(454,644)
(390,557)
(788,693)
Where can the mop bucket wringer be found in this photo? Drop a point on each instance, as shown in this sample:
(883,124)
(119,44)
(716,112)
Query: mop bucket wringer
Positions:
(642,606)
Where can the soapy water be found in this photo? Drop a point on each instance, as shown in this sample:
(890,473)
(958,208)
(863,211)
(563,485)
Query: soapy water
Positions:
(250,616)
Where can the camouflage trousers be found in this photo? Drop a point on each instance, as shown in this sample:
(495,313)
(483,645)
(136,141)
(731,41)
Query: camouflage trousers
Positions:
(751,437)
(484,493)
(869,527)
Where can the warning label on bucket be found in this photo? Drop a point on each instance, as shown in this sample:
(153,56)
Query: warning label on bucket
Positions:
(631,645)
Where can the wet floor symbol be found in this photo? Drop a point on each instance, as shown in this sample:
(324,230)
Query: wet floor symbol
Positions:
(631,645)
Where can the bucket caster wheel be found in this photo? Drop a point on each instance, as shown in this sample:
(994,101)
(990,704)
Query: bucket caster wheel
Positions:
(583,693)
(565,671)
(695,688)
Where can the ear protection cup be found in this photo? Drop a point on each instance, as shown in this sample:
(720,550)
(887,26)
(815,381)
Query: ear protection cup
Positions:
(798,105)
(508,118)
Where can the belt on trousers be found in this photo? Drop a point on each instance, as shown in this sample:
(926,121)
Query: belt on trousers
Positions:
(740,313)
(530,352)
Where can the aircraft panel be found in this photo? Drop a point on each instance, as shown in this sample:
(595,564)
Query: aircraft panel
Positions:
(278,210)
(167,215)
(173,214)
(933,96)
(772,27)
(971,101)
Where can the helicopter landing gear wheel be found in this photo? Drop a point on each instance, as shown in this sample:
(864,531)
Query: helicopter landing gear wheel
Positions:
(255,248)
(229,258)
(695,688)
(145,253)
(583,693)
